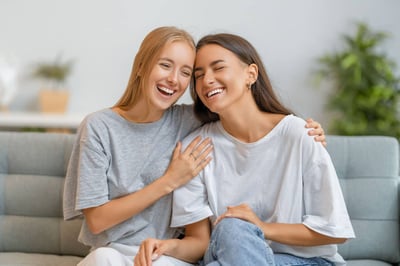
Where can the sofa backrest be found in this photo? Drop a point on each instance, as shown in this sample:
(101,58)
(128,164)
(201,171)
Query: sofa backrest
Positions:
(32,171)
(368,169)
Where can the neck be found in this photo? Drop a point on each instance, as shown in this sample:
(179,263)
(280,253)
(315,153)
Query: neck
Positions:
(251,125)
(140,113)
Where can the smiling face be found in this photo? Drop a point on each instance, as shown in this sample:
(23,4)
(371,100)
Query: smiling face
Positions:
(221,78)
(170,75)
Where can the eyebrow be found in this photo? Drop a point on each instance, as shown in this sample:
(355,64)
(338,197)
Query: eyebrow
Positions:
(213,63)
(172,62)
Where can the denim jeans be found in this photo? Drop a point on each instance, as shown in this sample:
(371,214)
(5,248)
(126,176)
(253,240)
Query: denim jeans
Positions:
(237,242)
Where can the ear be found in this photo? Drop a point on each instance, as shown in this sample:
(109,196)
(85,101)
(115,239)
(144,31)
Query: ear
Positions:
(252,70)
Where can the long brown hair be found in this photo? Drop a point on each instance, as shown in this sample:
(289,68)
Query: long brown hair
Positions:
(145,60)
(262,91)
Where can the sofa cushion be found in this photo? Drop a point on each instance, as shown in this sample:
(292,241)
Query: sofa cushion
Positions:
(368,169)
(367,263)
(32,171)
(24,259)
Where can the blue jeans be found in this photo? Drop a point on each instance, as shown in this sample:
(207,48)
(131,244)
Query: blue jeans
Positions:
(237,242)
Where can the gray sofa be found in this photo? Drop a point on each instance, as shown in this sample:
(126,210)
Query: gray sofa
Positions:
(33,232)
(32,229)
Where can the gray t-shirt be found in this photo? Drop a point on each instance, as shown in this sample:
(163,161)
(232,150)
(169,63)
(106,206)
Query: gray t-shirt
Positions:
(113,157)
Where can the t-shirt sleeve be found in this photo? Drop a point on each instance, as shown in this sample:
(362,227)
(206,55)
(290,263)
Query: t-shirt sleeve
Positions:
(325,208)
(190,202)
(86,179)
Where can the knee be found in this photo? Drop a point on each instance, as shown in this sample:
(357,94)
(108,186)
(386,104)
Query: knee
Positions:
(239,229)
(232,223)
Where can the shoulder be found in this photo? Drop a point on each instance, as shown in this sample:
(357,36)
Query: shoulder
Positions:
(296,134)
(97,123)
(103,117)
(182,116)
(182,110)
(100,115)
(206,130)
(293,126)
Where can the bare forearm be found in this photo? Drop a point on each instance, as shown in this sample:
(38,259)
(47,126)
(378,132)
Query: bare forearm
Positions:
(297,235)
(193,246)
(188,249)
(118,210)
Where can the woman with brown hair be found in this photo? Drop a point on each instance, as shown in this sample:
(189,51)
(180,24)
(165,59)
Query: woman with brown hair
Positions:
(271,193)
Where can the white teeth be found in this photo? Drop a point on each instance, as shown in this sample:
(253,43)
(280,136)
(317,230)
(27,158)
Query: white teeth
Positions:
(166,90)
(213,92)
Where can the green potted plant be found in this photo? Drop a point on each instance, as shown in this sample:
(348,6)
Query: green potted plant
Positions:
(366,91)
(53,96)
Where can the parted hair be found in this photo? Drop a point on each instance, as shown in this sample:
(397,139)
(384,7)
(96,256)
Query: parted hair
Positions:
(146,58)
(262,90)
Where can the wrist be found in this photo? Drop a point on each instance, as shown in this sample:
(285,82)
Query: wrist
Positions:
(172,247)
(266,230)
(166,184)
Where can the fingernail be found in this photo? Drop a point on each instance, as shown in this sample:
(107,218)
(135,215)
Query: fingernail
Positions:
(154,256)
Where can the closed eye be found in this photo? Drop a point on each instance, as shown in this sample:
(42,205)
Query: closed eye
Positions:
(165,65)
(186,73)
(198,75)
(217,68)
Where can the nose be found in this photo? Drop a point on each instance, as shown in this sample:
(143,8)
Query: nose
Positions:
(173,77)
(208,78)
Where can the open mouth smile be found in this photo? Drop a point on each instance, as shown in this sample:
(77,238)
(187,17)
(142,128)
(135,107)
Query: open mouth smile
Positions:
(214,92)
(166,91)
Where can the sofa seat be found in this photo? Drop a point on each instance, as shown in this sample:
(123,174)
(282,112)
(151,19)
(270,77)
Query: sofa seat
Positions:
(33,231)
(35,259)
(367,263)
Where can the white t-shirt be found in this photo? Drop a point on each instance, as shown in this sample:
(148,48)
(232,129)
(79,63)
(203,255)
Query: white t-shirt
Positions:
(285,177)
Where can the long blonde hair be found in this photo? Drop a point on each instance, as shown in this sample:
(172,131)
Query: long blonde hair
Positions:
(145,60)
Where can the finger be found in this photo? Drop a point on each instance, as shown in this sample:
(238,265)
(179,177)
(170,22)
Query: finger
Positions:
(222,216)
(320,138)
(309,123)
(203,163)
(144,253)
(157,253)
(146,258)
(314,125)
(226,214)
(200,148)
(149,253)
(316,132)
(204,153)
(192,145)
(139,258)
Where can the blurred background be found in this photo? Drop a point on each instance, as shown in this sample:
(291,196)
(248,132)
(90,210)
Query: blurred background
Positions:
(94,43)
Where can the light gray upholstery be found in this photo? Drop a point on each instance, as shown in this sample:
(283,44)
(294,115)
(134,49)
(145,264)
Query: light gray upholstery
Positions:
(368,169)
(32,170)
